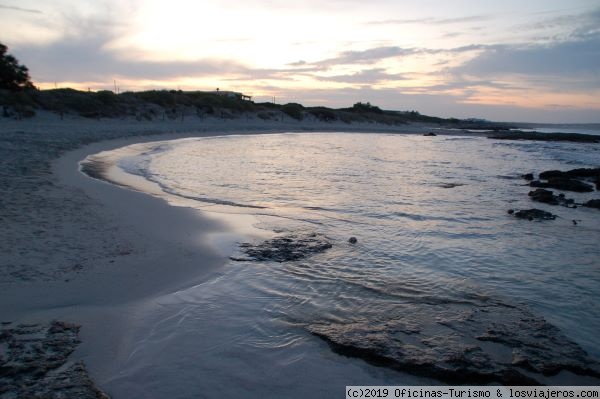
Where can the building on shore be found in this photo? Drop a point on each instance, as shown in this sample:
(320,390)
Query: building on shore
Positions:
(232,94)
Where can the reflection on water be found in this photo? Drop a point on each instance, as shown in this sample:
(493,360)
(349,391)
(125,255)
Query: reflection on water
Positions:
(430,217)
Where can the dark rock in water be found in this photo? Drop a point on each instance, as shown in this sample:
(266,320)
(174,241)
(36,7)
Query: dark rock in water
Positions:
(538,136)
(35,363)
(595,203)
(450,185)
(591,174)
(548,197)
(352,240)
(542,195)
(429,134)
(527,176)
(573,173)
(475,341)
(511,211)
(562,183)
(533,214)
(285,248)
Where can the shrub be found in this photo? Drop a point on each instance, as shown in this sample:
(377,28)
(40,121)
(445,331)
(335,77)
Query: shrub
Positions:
(293,110)
(323,114)
(363,108)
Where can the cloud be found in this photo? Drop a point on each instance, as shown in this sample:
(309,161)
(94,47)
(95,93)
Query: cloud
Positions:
(20,9)
(82,61)
(562,58)
(376,54)
(431,21)
(367,56)
(365,77)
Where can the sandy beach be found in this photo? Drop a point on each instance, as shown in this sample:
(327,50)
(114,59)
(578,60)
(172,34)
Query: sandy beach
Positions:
(86,264)
(82,251)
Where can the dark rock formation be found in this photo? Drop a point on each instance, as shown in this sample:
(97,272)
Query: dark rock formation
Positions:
(35,363)
(429,134)
(595,203)
(542,195)
(565,184)
(450,185)
(570,174)
(527,176)
(590,174)
(474,342)
(520,135)
(352,240)
(533,214)
(548,197)
(285,248)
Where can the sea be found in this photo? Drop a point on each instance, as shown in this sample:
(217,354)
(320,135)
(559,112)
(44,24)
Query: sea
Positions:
(434,242)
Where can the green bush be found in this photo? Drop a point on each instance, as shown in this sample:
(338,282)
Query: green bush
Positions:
(363,108)
(323,114)
(293,110)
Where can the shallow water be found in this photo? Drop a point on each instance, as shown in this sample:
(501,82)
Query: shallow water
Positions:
(430,217)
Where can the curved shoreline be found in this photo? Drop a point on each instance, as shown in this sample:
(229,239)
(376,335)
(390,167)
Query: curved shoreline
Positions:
(107,297)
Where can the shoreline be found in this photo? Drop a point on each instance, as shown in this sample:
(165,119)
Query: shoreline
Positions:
(107,292)
(117,252)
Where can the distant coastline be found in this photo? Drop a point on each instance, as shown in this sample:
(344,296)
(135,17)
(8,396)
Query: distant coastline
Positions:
(201,108)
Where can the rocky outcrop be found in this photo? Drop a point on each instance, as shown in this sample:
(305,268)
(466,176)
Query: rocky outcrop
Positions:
(484,342)
(548,197)
(579,173)
(563,183)
(571,180)
(532,214)
(595,203)
(34,363)
(285,248)
(450,185)
(527,176)
(538,136)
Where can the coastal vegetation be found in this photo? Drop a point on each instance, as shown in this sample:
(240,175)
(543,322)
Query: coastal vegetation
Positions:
(178,104)
(13,76)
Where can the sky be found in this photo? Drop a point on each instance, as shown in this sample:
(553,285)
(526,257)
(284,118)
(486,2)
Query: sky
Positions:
(526,60)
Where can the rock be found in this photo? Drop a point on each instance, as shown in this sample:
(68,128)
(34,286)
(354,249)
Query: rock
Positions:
(285,248)
(533,214)
(562,183)
(36,364)
(573,173)
(527,176)
(595,203)
(542,195)
(475,341)
(548,197)
(591,174)
(352,240)
(538,136)
(511,211)
(429,134)
(450,185)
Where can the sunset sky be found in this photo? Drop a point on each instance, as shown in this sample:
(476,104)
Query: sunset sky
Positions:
(502,60)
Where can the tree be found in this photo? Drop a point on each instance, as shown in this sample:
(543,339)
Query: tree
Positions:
(366,108)
(12,75)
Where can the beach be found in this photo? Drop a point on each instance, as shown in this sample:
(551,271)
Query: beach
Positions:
(82,251)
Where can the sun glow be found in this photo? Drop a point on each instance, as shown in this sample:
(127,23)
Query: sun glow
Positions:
(463,53)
